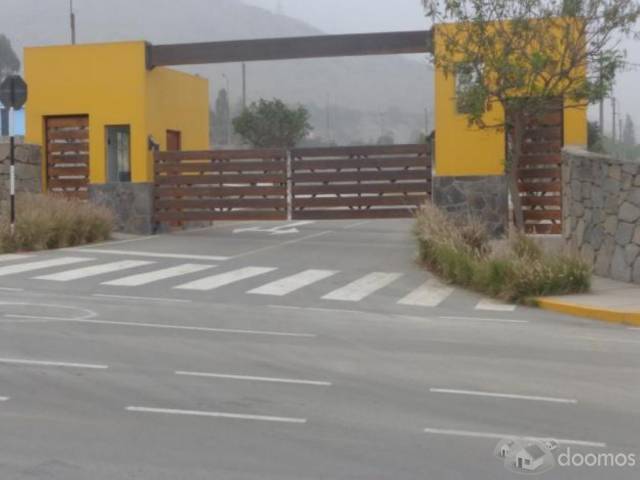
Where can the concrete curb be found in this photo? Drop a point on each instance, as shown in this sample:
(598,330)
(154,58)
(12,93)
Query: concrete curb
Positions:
(624,317)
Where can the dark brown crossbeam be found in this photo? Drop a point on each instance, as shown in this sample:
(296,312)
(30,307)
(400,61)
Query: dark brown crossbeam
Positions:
(387,43)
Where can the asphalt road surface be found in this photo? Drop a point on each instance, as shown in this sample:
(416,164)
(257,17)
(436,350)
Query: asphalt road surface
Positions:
(301,350)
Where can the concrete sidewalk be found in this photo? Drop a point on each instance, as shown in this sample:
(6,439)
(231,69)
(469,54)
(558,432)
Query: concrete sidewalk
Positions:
(609,300)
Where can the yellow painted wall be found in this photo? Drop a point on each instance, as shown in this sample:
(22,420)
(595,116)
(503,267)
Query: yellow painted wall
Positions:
(178,101)
(462,150)
(110,83)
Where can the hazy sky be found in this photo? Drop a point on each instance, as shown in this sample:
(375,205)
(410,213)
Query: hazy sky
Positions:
(345,16)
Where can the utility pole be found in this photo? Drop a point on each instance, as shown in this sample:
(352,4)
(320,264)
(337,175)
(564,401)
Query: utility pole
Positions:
(244,85)
(72,18)
(226,80)
(601,120)
(613,112)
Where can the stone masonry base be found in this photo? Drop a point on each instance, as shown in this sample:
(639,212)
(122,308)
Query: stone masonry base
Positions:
(132,204)
(481,197)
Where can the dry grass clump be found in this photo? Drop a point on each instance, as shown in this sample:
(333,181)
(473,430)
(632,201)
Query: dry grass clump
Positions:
(50,221)
(515,271)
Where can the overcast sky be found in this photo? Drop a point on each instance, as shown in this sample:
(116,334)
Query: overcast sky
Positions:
(345,16)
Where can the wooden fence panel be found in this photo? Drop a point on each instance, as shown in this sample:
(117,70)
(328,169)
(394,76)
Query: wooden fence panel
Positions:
(388,181)
(220,185)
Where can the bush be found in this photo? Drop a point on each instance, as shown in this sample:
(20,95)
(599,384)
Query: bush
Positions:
(50,221)
(515,271)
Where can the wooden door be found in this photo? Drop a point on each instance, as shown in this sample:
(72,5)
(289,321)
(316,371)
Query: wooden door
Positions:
(67,147)
(174,141)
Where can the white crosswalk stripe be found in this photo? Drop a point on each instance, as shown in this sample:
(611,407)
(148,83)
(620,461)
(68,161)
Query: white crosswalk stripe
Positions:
(40,265)
(430,294)
(94,270)
(158,275)
(292,283)
(491,305)
(222,279)
(363,287)
(14,256)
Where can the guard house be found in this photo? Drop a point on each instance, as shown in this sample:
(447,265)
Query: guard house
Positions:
(98,112)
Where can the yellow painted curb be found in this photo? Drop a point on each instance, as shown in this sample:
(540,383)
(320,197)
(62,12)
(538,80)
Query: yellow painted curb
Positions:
(598,313)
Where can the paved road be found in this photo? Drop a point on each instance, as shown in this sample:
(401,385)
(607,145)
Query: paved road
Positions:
(268,353)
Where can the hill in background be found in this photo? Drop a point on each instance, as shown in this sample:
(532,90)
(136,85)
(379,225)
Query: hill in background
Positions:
(352,99)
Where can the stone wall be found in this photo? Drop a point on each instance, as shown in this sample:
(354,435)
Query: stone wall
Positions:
(601,210)
(482,197)
(28,169)
(132,204)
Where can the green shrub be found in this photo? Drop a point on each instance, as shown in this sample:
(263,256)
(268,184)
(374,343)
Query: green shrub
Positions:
(517,270)
(49,221)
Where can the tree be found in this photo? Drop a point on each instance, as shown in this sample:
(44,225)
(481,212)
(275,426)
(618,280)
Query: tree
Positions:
(9,61)
(222,119)
(272,124)
(629,132)
(524,55)
(594,138)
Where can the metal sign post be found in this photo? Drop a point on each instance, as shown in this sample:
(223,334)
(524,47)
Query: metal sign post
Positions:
(13,94)
(12,172)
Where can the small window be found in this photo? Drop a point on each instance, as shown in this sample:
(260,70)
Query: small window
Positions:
(469,89)
(119,153)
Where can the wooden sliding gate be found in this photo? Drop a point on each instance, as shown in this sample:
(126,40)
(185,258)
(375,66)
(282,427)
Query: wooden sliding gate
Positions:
(307,183)
(540,173)
(359,182)
(220,185)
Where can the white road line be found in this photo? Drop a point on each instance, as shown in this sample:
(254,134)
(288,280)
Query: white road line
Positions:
(489,304)
(166,327)
(479,319)
(13,256)
(430,294)
(599,339)
(8,289)
(47,363)
(363,287)
(466,433)
(145,299)
(357,224)
(282,244)
(131,253)
(94,270)
(235,416)
(4,399)
(503,395)
(255,379)
(39,265)
(222,279)
(158,275)
(294,282)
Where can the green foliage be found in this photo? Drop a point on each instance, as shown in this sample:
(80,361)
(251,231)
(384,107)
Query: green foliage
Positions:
(461,253)
(47,221)
(273,124)
(594,138)
(629,132)
(9,62)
